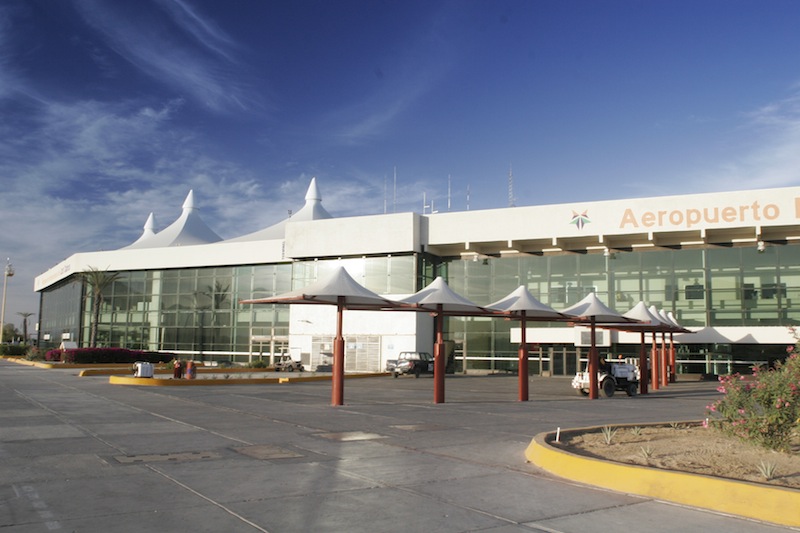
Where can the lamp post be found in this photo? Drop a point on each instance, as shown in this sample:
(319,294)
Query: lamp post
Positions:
(9,271)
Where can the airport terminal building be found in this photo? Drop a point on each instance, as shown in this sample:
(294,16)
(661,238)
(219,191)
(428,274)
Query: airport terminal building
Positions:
(727,265)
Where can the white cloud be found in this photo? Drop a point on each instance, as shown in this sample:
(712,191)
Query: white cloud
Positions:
(771,156)
(204,30)
(429,54)
(207,73)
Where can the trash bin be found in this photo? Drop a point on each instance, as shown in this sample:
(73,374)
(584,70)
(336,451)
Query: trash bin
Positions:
(142,369)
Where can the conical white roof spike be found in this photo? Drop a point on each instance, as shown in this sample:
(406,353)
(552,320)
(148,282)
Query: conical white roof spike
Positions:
(150,225)
(312,194)
(188,229)
(312,210)
(189,202)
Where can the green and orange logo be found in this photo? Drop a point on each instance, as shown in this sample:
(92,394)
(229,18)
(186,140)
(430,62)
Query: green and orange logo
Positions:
(580,219)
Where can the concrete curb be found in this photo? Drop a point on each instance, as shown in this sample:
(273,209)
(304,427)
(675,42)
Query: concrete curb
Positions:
(775,505)
(155,382)
(97,367)
(167,370)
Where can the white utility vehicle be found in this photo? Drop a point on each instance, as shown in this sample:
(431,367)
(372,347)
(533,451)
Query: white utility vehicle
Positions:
(612,376)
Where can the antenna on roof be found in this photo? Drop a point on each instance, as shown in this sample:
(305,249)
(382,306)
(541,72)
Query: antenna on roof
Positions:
(448,192)
(510,186)
(385,185)
(468,197)
(394,201)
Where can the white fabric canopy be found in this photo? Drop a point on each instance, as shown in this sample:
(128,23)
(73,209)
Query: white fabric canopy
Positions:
(331,290)
(591,307)
(439,297)
(522,301)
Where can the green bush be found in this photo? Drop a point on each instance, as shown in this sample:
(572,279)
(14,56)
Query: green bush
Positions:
(14,350)
(106,356)
(258,364)
(34,354)
(764,408)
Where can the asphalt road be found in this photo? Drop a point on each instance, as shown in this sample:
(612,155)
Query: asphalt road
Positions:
(79,454)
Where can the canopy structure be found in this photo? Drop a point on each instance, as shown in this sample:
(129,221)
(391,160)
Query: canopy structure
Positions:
(440,300)
(593,311)
(646,322)
(655,321)
(189,229)
(341,290)
(311,210)
(523,306)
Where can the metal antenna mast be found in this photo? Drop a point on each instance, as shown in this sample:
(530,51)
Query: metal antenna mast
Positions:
(448,192)
(510,187)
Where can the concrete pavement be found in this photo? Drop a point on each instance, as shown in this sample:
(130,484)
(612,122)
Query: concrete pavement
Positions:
(79,454)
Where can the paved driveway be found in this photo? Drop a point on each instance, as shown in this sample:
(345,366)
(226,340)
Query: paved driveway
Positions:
(78,454)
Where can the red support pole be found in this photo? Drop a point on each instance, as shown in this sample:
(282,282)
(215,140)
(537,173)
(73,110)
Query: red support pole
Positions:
(439,359)
(337,392)
(673,376)
(594,362)
(642,366)
(522,367)
(654,363)
(664,359)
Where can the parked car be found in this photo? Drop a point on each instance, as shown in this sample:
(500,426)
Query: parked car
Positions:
(285,363)
(411,363)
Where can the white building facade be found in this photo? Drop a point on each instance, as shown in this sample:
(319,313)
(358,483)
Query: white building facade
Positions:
(727,265)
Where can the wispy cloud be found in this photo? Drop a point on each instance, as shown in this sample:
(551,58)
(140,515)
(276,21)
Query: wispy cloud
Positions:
(8,79)
(207,73)
(771,152)
(84,176)
(429,53)
(204,30)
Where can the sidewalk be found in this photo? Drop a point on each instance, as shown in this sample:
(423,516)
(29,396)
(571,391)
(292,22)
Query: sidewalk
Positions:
(80,454)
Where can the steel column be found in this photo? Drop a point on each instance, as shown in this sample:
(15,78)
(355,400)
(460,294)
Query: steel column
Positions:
(522,367)
(337,392)
(439,358)
(594,363)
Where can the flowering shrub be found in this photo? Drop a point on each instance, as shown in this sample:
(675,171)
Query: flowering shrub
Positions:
(764,408)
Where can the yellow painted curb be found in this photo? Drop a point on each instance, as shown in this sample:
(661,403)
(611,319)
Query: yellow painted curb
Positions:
(155,382)
(167,370)
(777,505)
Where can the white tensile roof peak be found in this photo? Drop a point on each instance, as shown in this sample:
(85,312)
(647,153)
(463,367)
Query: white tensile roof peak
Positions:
(312,210)
(187,230)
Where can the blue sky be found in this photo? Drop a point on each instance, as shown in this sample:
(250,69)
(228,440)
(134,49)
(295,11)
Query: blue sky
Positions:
(114,109)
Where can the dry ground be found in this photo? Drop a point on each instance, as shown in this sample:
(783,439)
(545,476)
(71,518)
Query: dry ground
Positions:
(690,448)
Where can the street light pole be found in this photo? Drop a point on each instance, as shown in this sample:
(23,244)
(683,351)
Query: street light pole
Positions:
(9,271)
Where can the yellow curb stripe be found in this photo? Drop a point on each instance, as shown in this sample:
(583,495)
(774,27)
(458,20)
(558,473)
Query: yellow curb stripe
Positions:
(777,505)
(167,370)
(155,382)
